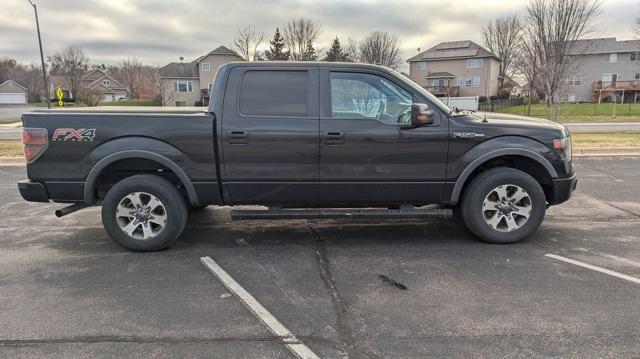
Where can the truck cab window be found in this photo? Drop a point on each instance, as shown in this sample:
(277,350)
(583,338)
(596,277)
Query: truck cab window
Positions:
(367,96)
(274,93)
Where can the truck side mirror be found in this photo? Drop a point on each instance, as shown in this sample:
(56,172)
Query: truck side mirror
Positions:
(421,115)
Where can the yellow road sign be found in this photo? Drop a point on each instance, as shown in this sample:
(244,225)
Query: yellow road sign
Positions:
(59,94)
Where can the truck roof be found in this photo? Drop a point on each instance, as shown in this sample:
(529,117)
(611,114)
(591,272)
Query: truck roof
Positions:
(281,64)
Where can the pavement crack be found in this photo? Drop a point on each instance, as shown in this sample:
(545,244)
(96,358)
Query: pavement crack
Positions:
(622,209)
(345,334)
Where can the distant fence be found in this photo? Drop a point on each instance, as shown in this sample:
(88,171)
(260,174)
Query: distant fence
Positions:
(498,105)
(462,103)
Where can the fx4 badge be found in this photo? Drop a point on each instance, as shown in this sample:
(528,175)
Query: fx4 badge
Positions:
(74,134)
(467,135)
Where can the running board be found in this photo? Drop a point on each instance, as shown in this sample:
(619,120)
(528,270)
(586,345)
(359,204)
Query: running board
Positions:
(369,213)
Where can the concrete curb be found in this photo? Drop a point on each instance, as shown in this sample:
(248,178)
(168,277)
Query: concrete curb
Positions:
(12,161)
(606,151)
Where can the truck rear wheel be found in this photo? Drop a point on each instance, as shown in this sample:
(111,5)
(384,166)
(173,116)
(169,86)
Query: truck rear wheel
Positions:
(503,205)
(144,213)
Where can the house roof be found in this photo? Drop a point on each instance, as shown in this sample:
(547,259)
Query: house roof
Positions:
(12,82)
(97,80)
(190,69)
(220,50)
(180,69)
(59,81)
(440,75)
(603,46)
(453,50)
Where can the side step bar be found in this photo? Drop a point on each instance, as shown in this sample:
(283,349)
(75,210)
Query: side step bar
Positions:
(368,213)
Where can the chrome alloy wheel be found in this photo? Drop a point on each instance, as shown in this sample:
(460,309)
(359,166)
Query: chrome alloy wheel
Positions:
(141,215)
(506,208)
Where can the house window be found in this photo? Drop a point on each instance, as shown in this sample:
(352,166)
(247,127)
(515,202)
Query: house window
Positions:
(422,66)
(634,56)
(183,86)
(638,76)
(474,63)
(206,67)
(608,78)
(106,82)
(611,58)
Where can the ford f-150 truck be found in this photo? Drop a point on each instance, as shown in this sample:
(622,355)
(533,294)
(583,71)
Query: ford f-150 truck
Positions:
(305,140)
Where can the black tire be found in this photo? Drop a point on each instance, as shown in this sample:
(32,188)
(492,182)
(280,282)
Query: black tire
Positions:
(174,210)
(473,213)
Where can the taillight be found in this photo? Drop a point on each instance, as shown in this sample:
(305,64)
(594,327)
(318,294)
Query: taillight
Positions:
(35,141)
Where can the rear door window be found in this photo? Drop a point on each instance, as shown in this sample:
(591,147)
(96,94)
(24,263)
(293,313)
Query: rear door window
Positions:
(274,93)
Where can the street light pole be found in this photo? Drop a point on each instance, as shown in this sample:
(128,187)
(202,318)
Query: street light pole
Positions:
(44,69)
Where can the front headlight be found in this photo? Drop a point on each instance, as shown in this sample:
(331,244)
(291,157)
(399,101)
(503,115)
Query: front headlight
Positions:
(563,147)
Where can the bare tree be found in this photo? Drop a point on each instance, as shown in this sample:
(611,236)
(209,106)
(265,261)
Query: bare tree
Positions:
(163,87)
(247,41)
(635,27)
(526,63)
(72,63)
(131,73)
(381,48)
(353,49)
(555,25)
(299,36)
(501,36)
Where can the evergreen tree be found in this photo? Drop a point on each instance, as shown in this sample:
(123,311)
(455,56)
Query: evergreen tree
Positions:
(335,53)
(310,53)
(276,49)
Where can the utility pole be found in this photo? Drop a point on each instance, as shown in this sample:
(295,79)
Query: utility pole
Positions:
(44,68)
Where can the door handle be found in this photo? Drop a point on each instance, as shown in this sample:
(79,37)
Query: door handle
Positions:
(238,134)
(239,137)
(334,138)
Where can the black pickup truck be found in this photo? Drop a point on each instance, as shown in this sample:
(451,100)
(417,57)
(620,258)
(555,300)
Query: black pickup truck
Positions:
(305,140)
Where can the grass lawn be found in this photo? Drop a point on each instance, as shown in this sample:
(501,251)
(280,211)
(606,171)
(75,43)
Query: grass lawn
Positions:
(130,103)
(54,104)
(10,120)
(605,139)
(590,112)
(10,148)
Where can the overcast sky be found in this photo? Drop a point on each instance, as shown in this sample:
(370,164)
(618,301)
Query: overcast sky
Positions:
(160,31)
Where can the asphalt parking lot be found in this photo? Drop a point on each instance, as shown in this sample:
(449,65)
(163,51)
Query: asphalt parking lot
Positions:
(358,290)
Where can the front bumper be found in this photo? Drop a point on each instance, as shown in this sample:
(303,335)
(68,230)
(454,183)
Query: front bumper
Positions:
(563,188)
(33,191)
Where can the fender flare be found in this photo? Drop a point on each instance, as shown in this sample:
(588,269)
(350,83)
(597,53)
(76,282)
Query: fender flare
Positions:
(90,182)
(462,179)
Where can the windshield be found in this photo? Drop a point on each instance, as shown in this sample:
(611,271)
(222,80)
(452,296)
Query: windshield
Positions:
(434,100)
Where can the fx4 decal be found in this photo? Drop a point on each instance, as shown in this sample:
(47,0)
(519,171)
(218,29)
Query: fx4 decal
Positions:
(74,134)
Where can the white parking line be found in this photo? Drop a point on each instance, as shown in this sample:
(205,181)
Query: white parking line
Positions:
(297,347)
(595,268)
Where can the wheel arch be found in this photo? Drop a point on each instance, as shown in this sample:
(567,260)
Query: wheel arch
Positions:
(100,166)
(542,167)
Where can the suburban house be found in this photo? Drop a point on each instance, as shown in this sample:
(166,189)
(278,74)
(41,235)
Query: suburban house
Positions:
(13,93)
(190,83)
(603,70)
(457,68)
(98,80)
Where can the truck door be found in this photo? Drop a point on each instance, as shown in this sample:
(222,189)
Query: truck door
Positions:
(369,154)
(269,132)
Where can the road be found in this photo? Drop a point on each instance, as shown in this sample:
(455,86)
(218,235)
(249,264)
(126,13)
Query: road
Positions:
(67,290)
(599,127)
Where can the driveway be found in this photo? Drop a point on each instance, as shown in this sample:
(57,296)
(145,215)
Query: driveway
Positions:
(13,111)
(367,289)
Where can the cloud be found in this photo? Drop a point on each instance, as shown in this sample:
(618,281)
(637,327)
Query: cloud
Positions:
(160,31)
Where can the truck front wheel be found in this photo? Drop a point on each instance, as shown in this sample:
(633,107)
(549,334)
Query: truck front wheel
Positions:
(503,205)
(144,213)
